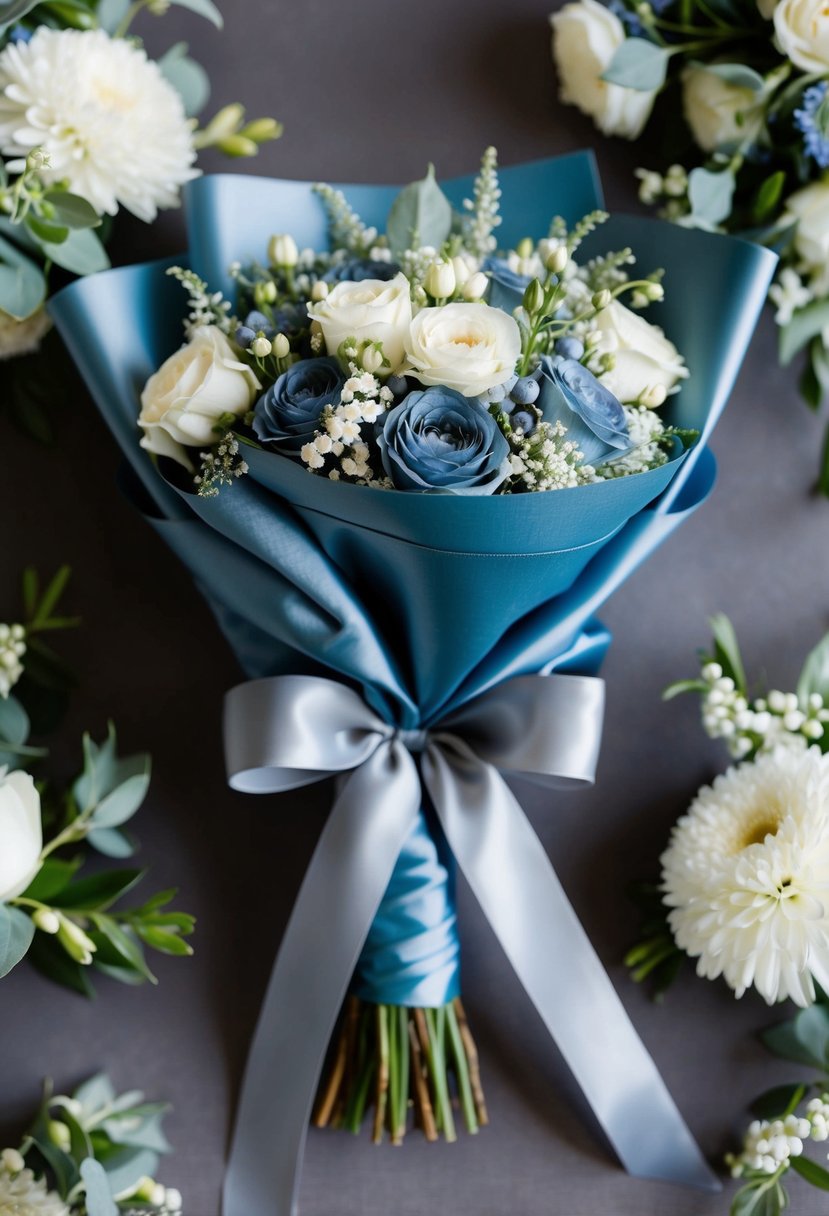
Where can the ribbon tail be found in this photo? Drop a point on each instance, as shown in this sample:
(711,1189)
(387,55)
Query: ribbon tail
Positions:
(336,905)
(515,884)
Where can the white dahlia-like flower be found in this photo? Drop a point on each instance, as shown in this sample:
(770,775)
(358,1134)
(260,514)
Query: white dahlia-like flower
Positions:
(21,1194)
(111,125)
(746,876)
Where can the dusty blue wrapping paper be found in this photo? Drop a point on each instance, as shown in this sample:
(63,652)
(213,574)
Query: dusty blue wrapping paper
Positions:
(419,603)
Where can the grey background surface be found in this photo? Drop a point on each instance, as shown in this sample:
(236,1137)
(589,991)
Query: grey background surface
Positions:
(373,91)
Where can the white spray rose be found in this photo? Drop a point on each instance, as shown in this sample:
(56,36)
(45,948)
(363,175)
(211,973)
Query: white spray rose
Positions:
(802,29)
(21,834)
(644,357)
(468,347)
(586,36)
(809,208)
(183,400)
(372,310)
(720,114)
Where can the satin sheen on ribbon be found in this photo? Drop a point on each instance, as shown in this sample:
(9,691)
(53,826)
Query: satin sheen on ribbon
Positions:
(288,731)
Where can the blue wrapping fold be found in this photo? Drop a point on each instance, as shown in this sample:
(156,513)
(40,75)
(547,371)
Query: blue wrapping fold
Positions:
(419,602)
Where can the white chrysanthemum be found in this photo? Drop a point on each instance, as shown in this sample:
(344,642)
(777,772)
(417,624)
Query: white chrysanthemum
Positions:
(746,875)
(22,1194)
(112,126)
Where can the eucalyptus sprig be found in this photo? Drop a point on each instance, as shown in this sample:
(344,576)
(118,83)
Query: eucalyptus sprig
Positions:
(92,1153)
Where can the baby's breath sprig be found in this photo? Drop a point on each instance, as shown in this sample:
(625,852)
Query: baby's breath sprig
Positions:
(339,449)
(484,218)
(220,466)
(206,307)
(544,458)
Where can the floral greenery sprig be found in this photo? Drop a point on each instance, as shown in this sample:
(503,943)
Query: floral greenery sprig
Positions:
(92,1153)
(750,726)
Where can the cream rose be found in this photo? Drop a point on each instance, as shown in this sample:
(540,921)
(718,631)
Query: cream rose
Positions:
(809,208)
(182,401)
(720,114)
(21,834)
(802,29)
(644,357)
(372,310)
(586,36)
(468,347)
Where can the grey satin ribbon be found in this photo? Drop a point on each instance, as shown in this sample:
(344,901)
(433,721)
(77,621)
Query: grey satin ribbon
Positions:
(290,731)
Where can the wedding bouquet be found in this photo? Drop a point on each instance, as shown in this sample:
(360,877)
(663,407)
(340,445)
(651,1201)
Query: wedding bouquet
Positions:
(89,124)
(742,96)
(405,473)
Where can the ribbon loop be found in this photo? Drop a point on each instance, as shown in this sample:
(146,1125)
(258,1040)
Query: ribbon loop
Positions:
(288,731)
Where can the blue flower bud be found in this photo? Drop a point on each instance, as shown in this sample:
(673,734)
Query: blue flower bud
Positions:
(257,320)
(570,348)
(525,391)
(244,336)
(398,385)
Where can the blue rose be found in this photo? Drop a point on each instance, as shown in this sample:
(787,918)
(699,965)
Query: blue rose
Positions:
(287,415)
(437,439)
(506,287)
(594,418)
(354,270)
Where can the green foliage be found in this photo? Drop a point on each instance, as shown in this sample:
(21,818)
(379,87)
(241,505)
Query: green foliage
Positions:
(187,77)
(16,933)
(803,1038)
(638,64)
(655,956)
(420,215)
(727,650)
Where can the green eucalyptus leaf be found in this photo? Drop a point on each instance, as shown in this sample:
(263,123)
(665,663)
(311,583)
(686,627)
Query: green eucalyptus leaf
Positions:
(13,10)
(81,252)
(638,64)
(16,933)
(804,1039)
(806,324)
(187,77)
(99,771)
(146,1133)
(111,842)
(760,1198)
(111,13)
(811,1171)
(738,75)
(120,805)
(55,234)
(95,1093)
(711,195)
(72,210)
(80,1144)
(727,649)
(815,674)
(124,1170)
(52,878)
(97,892)
(420,215)
(22,283)
(14,722)
(204,8)
(99,1189)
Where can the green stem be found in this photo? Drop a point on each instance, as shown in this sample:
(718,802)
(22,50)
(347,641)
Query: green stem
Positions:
(394,1071)
(129,16)
(436,1021)
(461,1071)
(403,1050)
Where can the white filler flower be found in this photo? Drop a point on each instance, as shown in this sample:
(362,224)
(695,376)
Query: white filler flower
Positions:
(110,123)
(21,1194)
(747,876)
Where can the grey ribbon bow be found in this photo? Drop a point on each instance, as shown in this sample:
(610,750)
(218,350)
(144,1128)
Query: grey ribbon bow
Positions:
(290,731)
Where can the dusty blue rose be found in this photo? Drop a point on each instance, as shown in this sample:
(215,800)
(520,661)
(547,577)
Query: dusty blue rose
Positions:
(506,287)
(287,414)
(594,418)
(356,269)
(437,439)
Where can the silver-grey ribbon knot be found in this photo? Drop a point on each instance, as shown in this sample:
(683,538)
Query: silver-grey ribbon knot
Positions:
(290,731)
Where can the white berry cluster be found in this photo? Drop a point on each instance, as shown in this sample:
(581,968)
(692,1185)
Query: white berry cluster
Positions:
(339,441)
(12,650)
(483,207)
(762,724)
(672,189)
(770,1145)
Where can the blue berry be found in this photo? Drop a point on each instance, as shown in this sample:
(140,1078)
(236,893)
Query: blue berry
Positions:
(397,385)
(244,336)
(522,420)
(525,391)
(570,348)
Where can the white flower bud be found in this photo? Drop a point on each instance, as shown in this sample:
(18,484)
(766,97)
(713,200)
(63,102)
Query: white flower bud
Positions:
(602,299)
(173,1200)
(711,672)
(777,701)
(46,920)
(475,286)
(319,291)
(282,250)
(281,346)
(440,280)
(372,359)
(261,347)
(557,260)
(59,1135)
(653,396)
(12,1160)
(461,269)
(77,944)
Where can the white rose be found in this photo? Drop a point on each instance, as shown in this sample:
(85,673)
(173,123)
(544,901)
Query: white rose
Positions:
(21,835)
(370,311)
(713,106)
(644,357)
(468,347)
(183,400)
(586,36)
(809,208)
(802,29)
